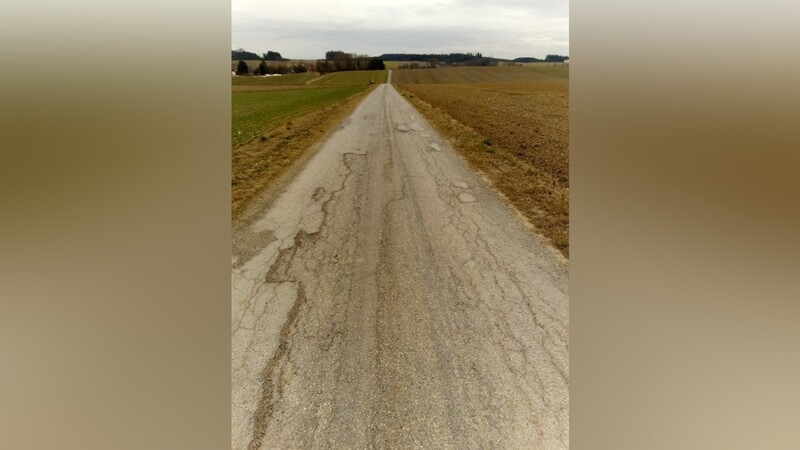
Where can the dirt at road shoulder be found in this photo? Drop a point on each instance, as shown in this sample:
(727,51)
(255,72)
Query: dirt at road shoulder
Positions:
(536,191)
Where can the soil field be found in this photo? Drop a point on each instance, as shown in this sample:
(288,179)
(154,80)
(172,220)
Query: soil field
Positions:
(479,75)
(554,69)
(543,64)
(516,133)
(256,112)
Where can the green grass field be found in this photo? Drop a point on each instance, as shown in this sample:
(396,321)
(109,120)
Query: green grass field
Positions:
(263,103)
(295,79)
(356,77)
(254,113)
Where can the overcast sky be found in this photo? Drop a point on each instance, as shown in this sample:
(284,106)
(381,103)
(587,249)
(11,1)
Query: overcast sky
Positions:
(306,29)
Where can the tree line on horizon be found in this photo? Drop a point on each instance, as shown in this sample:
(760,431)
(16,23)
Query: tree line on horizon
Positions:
(442,58)
(270,69)
(452,59)
(464,58)
(242,54)
(548,58)
(339,61)
(335,61)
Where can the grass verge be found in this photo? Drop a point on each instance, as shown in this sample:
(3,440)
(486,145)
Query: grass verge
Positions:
(257,112)
(259,164)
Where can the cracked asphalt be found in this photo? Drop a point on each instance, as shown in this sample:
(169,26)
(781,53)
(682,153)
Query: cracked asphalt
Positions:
(388,299)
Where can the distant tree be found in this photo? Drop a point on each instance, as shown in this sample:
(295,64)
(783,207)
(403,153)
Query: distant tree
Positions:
(242,69)
(324,66)
(337,61)
(442,58)
(334,55)
(273,56)
(243,54)
(526,60)
(555,58)
(262,68)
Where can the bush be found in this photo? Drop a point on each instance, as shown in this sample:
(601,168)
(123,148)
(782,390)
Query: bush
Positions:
(241,68)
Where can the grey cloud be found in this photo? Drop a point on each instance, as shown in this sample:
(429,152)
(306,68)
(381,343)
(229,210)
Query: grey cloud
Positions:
(417,29)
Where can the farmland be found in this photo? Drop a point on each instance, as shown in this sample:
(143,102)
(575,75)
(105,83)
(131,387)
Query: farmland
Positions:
(356,77)
(480,75)
(554,69)
(512,124)
(255,112)
(396,64)
(297,79)
(275,120)
(262,103)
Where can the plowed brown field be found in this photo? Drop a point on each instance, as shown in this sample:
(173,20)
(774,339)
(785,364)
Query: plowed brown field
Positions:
(543,74)
(517,134)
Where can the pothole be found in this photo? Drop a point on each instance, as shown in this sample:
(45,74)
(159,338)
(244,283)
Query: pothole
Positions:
(466,198)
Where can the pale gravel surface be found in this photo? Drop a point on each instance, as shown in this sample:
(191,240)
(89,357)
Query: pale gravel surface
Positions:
(388,299)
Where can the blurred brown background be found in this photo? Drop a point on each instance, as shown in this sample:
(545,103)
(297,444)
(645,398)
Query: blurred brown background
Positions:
(114,239)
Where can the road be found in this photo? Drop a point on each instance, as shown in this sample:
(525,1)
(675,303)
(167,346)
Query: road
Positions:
(388,298)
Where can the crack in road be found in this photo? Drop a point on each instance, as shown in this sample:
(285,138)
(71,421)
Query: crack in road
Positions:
(394,301)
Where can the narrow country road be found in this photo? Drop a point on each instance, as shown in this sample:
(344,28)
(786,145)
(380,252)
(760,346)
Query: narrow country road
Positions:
(388,299)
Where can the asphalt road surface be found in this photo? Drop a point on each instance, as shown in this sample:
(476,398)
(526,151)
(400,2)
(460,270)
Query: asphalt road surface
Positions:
(388,299)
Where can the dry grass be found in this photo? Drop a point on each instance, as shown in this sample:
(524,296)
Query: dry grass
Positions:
(275,120)
(516,134)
